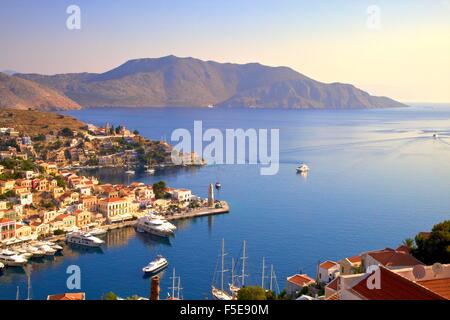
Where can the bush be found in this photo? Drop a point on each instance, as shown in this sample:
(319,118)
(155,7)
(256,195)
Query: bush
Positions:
(252,293)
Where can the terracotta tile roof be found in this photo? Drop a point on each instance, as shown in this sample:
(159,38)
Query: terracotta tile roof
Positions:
(403,248)
(394,287)
(67,296)
(355,259)
(333,284)
(393,258)
(4,220)
(438,286)
(109,200)
(334,296)
(300,279)
(328,264)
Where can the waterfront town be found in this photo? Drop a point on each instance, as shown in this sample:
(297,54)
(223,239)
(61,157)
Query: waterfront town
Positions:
(43,197)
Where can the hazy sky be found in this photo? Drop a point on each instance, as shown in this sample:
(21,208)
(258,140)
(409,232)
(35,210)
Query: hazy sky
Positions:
(406,58)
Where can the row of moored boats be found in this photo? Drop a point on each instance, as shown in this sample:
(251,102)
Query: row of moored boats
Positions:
(20,255)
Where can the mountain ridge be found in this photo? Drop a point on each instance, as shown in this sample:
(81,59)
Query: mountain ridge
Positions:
(189,82)
(18,93)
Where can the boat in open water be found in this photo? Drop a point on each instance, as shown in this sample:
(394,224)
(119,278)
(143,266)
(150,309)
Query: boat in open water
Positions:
(157,265)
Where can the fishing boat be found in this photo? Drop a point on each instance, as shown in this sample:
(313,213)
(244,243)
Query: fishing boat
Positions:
(157,265)
(302,168)
(84,239)
(220,293)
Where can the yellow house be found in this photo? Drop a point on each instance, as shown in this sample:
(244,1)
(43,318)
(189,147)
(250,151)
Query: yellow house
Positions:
(6,186)
(23,231)
(40,229)
(350,265)
(50,168)
(69,221)
(114,208)
(83,218)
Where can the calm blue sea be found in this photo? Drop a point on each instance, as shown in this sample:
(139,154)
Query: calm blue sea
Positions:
(377,177)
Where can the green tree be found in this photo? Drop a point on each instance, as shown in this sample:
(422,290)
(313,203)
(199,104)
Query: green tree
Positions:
(252,293)
(434,246)
(66,132)
(109,296)
(408,243)
(159,189)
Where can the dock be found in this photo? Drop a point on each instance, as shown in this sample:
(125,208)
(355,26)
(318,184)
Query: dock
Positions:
(200,212)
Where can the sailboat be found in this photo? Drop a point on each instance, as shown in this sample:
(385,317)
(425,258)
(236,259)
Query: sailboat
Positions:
(176,287)
(234,287)
(220,293)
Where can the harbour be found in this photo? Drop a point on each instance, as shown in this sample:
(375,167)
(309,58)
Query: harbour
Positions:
(284,218)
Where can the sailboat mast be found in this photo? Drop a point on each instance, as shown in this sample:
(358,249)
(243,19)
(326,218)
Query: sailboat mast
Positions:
(232,271)
(179,288)
(223,263)
(173,284)
(243,262)
(17,293)
(263,272)
(271,276)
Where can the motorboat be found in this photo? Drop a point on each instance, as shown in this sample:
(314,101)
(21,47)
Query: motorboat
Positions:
(12,259)
(302,168)
(84,239)
(2,266)
(55,246)
(98,232)
(36,252)
(151,171)
(153,226)
(49,251)
(130,172)
(157,265)
(218,185)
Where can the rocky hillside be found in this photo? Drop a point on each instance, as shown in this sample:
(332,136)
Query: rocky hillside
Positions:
(173,81)
(33,123)
(18,93)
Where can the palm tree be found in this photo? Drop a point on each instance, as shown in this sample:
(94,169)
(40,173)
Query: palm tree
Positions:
(409,243)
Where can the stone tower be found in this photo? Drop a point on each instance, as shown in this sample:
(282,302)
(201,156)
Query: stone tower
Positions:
(211,196)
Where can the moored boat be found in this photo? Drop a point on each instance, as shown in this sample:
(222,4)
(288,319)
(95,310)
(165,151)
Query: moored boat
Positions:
(84,239)
(12,259)
(154,226)
(303,168)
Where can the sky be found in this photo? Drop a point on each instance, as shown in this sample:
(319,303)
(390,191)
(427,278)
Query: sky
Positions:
(399,49)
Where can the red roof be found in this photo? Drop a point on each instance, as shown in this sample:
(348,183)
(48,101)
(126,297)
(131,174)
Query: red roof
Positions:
(354,259)
(438,286)
(4,220)
(333,284)
(394,287)
(67,296)
(300,279)
(392,258)
(328,264)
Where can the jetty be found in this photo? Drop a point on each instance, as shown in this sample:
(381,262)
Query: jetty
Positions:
(224,208)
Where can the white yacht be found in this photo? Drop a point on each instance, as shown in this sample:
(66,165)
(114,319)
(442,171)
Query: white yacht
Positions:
(49,251)
(98,232)
(159,264)
(84,239)
(55,246)
(130,172)
(36,252)
(151,171)
(2,266)
(166,223)
(154,226)
(303,168)
(11,259)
